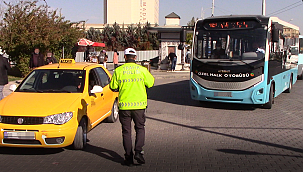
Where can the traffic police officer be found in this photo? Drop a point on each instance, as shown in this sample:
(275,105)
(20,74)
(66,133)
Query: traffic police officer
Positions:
(131,81)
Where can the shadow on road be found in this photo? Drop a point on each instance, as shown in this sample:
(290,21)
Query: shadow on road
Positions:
(242,152)
(104,153)
(179,93)
(29,151)
(233,136)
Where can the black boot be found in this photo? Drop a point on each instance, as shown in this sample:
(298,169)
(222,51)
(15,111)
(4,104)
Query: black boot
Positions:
(139,157)
(129,160)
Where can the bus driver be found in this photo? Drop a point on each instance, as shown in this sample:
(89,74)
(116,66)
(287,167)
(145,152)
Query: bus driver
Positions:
(218,52)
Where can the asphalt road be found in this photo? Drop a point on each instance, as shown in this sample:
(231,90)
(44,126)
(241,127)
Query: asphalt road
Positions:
(185,135)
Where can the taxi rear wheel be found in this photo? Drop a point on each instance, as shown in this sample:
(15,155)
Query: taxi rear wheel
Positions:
(115,113)
(80,140)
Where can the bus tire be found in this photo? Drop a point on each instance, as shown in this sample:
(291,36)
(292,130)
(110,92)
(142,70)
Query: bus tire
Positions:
(288,90)
(269,104)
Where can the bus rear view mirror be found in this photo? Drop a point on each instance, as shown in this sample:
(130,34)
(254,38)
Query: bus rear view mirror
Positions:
(275,35)
(183,35)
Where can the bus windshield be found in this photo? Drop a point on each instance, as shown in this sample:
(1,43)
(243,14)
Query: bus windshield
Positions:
(242,44)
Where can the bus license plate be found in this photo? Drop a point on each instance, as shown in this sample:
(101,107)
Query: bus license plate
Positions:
(222,94)
(19,135)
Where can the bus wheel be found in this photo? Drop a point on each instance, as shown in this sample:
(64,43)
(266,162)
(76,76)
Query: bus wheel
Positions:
(269,104)
(290,86)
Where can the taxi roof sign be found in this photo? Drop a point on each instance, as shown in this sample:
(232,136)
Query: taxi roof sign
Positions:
(67,61)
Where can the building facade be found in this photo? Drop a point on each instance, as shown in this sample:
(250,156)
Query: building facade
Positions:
(169,35)
(131,11)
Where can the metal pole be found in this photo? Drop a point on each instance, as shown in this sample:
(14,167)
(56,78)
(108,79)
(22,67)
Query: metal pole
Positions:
(263,7)
(213,8)
(63,52)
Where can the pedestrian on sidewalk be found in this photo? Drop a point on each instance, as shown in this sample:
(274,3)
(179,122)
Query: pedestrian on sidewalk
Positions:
(37,59)
(131,80)
(101,56)
(50,59)
(4,67)
(173,58)
(115,58)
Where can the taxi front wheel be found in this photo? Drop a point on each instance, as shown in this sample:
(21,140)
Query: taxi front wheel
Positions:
(115,113)
(80,140)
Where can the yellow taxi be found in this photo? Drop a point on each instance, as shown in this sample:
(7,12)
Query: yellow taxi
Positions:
(56,105)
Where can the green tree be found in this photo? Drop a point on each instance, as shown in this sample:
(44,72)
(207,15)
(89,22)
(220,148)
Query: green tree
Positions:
(26,25)
(116,37)
(94,34)
(192,22)
(189,36)
(131,37)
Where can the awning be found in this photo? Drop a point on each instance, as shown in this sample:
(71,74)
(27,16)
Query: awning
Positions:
(98,44)
(86,42)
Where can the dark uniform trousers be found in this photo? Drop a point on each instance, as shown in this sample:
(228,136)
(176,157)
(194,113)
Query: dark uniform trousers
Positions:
(126,117)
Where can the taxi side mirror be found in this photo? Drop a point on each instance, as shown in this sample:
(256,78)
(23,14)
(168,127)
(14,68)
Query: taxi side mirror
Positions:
(96,89)
(13,87)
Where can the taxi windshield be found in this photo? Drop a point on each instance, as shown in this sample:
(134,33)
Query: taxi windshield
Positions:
(53,81)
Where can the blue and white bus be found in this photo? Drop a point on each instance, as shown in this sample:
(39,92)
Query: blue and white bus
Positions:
(242,59)
(300,57)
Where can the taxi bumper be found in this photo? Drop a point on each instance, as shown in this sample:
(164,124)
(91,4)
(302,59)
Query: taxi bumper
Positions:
(44,135)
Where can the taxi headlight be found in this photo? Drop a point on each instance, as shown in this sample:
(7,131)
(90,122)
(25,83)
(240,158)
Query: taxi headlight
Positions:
(60,118)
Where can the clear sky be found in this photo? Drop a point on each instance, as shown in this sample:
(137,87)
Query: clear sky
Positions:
(92,10)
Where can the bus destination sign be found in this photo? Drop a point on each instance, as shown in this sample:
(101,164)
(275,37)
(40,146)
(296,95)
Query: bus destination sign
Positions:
(221,25)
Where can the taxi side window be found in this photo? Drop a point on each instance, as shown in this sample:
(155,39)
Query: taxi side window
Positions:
(93,79)
(105,79)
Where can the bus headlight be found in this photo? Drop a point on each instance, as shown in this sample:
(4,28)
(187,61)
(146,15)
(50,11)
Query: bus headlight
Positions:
(60,118)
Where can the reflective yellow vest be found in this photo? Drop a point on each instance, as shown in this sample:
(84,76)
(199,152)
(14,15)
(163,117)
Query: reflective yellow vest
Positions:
(131,81)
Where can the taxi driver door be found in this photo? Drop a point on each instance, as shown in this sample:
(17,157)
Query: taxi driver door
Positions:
(95,109)
(108,95)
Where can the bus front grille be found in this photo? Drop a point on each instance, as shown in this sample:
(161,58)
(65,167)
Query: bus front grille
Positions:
(227,86)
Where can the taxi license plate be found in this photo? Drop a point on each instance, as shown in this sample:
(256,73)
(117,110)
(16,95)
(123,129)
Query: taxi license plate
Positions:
(19,135)
(222,94)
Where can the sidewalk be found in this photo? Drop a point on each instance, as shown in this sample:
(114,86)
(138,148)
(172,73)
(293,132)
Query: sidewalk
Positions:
(6,90)
(158,74)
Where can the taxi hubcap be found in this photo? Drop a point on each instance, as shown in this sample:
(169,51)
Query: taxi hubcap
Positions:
(116,112)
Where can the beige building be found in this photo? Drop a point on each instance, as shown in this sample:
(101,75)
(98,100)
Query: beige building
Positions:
(131,11)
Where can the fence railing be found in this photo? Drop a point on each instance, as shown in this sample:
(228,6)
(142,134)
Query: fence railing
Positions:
(141,55)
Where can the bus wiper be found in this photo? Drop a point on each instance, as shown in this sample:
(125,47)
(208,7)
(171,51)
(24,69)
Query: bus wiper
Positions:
(250,66)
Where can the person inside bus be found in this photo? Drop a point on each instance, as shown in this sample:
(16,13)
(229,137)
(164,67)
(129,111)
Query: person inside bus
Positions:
(219,52)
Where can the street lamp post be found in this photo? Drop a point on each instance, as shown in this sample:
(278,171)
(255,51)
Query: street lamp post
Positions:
(213,8)
(263,7)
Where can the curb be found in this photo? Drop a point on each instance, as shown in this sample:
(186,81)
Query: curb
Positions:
(6,90)
(170,75)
